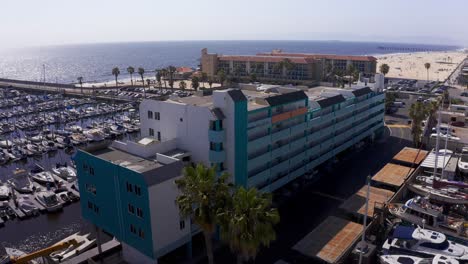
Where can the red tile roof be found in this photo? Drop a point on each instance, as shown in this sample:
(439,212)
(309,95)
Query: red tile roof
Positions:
(300,60)
(320,56)
(184,69)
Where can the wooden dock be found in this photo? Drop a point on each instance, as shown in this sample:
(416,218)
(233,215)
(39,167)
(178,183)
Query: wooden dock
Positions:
(15,209)
(329,241)
(356,204)
(392,175)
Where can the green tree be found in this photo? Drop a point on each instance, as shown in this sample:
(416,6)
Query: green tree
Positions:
(80,81)
(171,70)
(158,78)
(141,72)
(389,100)
(164,75)
(427,65)
(417,113)
(195,83)
(253,77)
(384,69)
(350,71)
(285,64)
(182,85)
(221,77)
(248,223)
(116,72)
(210,82)
(204,78)
(131,71)
(203,196)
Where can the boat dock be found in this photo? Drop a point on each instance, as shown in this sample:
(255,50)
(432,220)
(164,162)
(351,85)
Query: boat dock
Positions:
(15,209)
(109,251)
(330,240)
(392,176)
(356,204)
(410,156)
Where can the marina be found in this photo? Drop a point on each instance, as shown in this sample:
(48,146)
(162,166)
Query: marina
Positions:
(39,135)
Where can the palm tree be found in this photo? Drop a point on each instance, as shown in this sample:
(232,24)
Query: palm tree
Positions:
(164,74)
(171,70)
(80,81)
(210,82)
(204,78)
(350,70)
(384,69)
(203,196)
(141,72)
(116,72)
(131,70)
(221,77)
(417,113)
(158,77)
(248,223)
(427,65)
(182,85)
(195,83)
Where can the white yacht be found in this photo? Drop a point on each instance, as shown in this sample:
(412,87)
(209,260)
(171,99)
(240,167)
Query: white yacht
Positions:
(408,259)
(4,191)
(83,244)
(65,172)
(417,240)
(27,206)
(420,211)
(463,161)
(40,175)
(440,190)
(49,200)
(94,135)
(21,182)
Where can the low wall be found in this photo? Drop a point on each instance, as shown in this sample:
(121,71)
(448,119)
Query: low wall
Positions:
(145,151)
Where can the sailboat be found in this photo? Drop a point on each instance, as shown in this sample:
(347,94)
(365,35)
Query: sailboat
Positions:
(435,186)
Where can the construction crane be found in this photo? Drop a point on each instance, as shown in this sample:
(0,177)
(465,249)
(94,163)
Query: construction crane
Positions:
(40,253)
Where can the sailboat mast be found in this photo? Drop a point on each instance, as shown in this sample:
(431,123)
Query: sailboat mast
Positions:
(437,143)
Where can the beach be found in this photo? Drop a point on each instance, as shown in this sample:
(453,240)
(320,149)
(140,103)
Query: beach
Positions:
(411,65)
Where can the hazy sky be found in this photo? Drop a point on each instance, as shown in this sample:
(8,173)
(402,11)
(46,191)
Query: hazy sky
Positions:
(44,22)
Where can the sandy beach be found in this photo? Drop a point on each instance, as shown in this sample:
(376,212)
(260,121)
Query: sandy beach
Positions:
(411,65)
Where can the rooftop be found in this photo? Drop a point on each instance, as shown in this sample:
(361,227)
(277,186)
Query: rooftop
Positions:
(356,204)
(392,174)
(410,156)
(330,240)
(153,171)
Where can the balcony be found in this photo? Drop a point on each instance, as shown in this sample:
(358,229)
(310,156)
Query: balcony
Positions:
(298,128)
(297,173)
(258,161)
(327,131)
(258,142)
(288,115)
(278,152)
(217,156)
(279,183)
(258,178)
(259,122)
(298,143)
(329,116)
(348,109)
(216,136)
(313,151)
(280,167)
(297,159)
(280,134)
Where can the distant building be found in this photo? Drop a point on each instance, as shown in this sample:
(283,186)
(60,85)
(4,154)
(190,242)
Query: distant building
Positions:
(183,73)
(264,136)
(306,67)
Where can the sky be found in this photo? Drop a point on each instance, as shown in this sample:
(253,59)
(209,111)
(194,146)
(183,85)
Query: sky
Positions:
(56,22)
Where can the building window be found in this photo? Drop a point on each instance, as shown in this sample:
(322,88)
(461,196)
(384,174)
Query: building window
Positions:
(212,125)
(129,187)
(91,171)
(90,205)
(132,229)
(96,209)
(159,136)
(140,212)
(91,188)
(85,166)
(221,166)
(150,115)
(220,122)
(212,146)
(157,116)
(151,132)
(182,225)
(131,209)
(137,190)
(141,233)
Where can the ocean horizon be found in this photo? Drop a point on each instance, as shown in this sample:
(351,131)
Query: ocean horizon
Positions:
(94,62)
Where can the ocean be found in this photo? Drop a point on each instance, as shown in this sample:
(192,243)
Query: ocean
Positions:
(94,62)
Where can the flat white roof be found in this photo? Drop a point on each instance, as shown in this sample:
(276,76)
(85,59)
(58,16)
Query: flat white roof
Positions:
(429,162)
